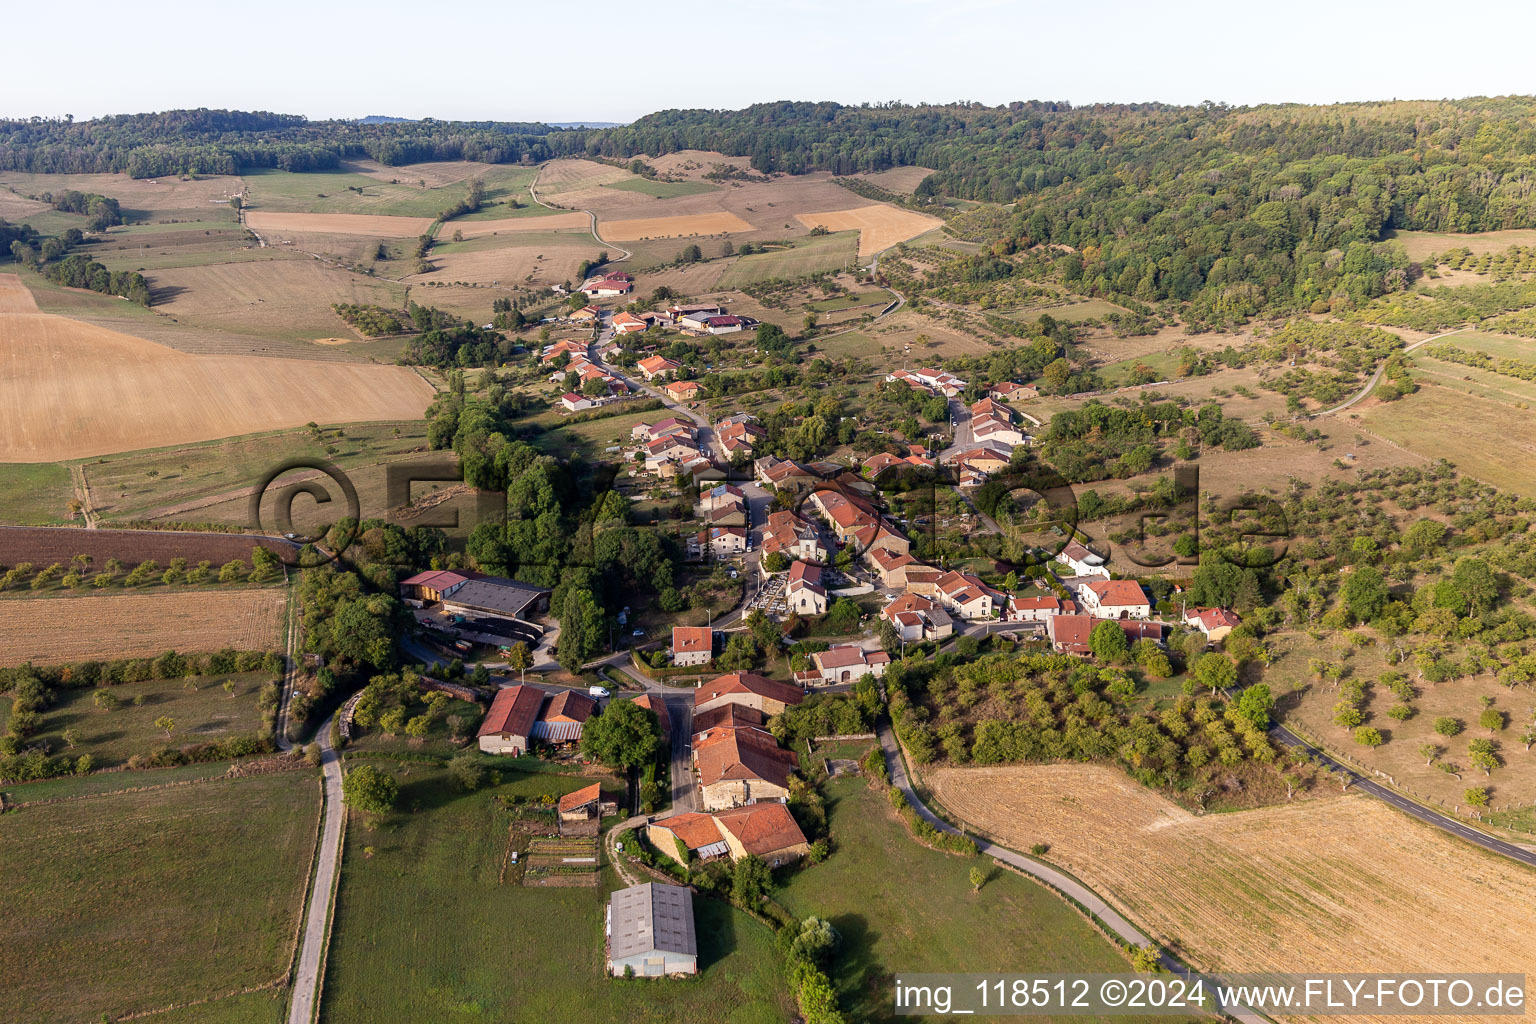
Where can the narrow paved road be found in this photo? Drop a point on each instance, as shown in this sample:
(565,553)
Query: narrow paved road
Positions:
(533,191)
(1370,385)
(317,925)
(1109,916)
(1443,822)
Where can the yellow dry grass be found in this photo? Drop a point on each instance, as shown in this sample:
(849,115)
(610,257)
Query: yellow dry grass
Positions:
(51,631)
(1342,884)
(553,222)
(879,226)
(14,296)
(436,173)
(72,390)
(899,179)
(684,226)
(568,175)
(336,224)
(693,164)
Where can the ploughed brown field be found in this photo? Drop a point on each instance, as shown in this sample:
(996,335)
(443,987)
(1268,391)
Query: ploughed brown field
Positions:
(337,224)
(1341,884)
(506,225)
(72,390)
(44,545)
(48,631)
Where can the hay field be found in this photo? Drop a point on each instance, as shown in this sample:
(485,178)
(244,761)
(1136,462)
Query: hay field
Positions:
(563,176)
(695,163)
(55,630)
(821,254)
(71,390)
(682,226)
(274,298)
(338,224)
(1484,437)
(899,179)
(551,222)
(139,197)
(18,208)
(879,227)
(1342,884)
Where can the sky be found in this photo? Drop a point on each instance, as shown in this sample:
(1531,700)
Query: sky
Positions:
(511,60)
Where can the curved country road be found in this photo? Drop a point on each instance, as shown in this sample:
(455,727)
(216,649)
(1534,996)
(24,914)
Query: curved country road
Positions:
(533,191)
(1085,897)
(1370,385)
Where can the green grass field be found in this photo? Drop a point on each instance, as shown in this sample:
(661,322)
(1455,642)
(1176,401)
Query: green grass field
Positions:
(810,255)
(592,437)
(848,301)
(137,901)
(111,737)
(108,782)
(663,189)
(34,494)
(1164,364)
(512,240)
(424,932)
(901,907)
(332,192)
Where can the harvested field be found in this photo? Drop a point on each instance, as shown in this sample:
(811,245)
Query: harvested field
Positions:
(879,226)
(673,227)
(822,254)
(49,631)
(338,224)
(14,297)
(1343,884)
(514,265)
(141,198)
(565,175)
(70,390)
(283,299)
(695,163)
(44,545)
(899,179)
(552,222)
(17,208)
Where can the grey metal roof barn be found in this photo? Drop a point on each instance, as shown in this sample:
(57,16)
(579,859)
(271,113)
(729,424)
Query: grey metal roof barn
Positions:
(650,929)
(495,596)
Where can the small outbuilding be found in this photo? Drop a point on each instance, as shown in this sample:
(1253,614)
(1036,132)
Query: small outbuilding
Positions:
(650,931)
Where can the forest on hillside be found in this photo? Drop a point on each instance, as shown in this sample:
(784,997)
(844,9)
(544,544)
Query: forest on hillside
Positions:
(1229,211)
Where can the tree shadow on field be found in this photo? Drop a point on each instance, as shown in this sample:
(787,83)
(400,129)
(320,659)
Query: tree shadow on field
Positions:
(863,984)
(716,929)
(166,293)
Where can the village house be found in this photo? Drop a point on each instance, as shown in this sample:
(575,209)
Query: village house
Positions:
(585,315)
(985,459)
(1215,623)
(669,427)
(748,689)
(1038,609)
(696,833)
(847,663)
(649,931)
(572,402)
(692,645)
(722,496)
(1069,633)
(739,434)
(1082,562)
(627,323)
(880,536)
(879,463)
(722,541)
(966,596)
(793,537)
(508,725)
(847,514)
(1114,599)
(563,348)
(946,384)
(726,715)
(891,566)
(656,366)
(683,390)
(776,474)
(804,594)
(918,618)
(923,580)
(741,766)
(677,312)
(609,285)
(1008,391)
(656,319)
(766,831)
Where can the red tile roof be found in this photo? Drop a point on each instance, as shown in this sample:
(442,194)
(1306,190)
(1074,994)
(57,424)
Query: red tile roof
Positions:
(688,639)
(1118,593)
(727,716)
(569,706)
(659,706)
(762,828)
(735,754)
(748,682)
(585,795)
(694,829)
(513,711)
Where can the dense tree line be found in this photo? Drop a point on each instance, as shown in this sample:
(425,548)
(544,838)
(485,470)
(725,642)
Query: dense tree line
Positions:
(83,272)
(100,211)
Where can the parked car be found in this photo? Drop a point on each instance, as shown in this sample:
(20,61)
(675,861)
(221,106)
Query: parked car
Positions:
(597,691)
(638,632)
